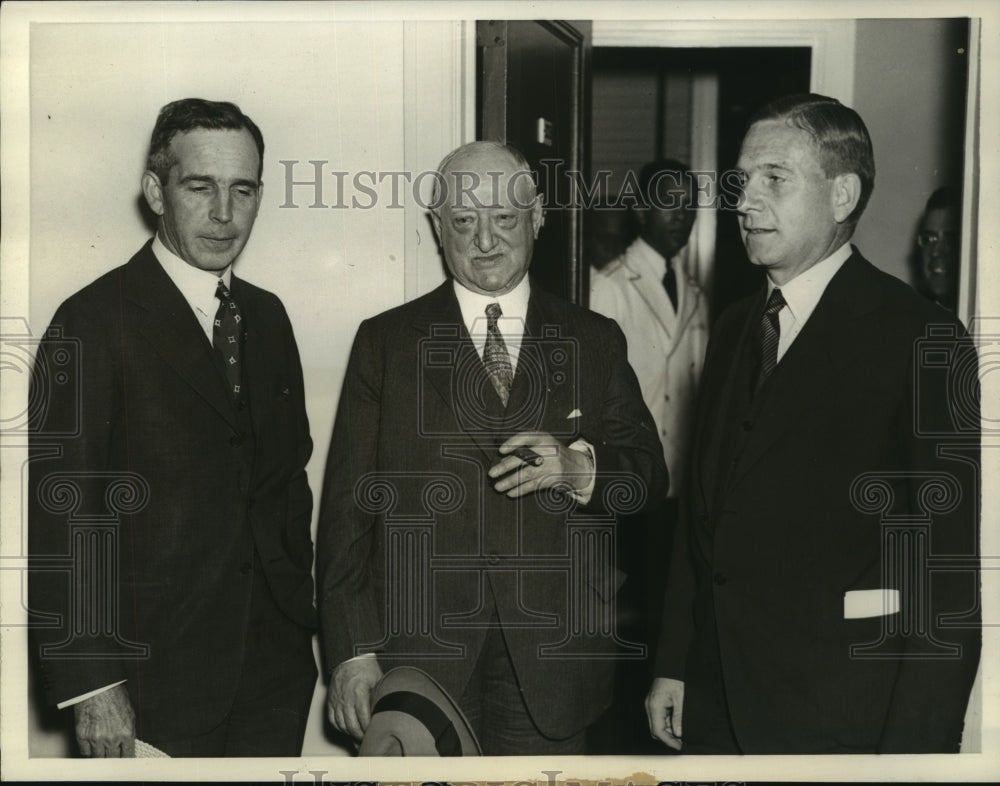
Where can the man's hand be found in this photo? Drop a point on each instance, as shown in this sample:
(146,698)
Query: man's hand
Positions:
(105,725)
(348,700)
(664,709)
(559,466)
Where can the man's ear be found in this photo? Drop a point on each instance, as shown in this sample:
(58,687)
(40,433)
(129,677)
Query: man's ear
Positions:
(537,216)
(152,189)
(436,223)
(260,196)
(845,195)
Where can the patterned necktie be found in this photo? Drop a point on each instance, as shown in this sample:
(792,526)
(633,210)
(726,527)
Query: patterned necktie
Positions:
(670,284)
(227,338)
(767,336)
(495,355)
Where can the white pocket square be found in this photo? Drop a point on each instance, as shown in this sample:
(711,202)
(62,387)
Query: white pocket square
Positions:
(870,603)
(574,414)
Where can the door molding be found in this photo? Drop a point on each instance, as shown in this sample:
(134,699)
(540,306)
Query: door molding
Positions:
(831,42)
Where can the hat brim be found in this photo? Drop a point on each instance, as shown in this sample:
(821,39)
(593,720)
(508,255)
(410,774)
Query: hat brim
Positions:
(414,716)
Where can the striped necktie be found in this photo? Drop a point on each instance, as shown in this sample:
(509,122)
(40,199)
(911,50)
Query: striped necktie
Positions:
(768,334)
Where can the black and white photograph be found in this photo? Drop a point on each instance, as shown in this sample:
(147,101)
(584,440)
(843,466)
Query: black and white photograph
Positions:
(552,393)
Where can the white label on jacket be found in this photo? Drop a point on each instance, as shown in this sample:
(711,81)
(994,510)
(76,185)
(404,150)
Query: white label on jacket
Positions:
(870,603)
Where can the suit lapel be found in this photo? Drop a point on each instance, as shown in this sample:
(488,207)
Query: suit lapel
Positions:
(544,391)
(455,371)
(816,361)
(172,330)
(655,296)
(720,392)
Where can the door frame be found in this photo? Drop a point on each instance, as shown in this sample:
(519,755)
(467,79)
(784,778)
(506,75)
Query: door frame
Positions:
(832,42)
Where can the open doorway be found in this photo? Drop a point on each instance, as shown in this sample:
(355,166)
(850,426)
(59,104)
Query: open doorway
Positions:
(692,105)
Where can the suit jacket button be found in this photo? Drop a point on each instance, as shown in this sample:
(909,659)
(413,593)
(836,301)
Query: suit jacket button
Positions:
(245,568)
(493,559)
(719,578)
(236,440)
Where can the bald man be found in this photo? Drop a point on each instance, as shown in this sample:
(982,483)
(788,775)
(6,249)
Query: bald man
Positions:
(485,436)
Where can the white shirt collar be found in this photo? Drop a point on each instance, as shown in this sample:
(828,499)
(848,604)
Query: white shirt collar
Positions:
(198,286)
(646,260)
(513,305)
(803,292)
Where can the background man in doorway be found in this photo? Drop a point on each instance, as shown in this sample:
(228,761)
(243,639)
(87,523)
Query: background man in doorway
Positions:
(658,303)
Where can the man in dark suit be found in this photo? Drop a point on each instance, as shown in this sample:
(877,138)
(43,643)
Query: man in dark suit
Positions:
(486,434)
(823,594)
(180,495)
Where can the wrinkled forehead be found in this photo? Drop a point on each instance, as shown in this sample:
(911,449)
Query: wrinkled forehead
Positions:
(484,181)
(778,142)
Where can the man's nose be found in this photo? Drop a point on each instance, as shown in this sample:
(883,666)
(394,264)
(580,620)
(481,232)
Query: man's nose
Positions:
(485,239)
(749,199)
(222,207)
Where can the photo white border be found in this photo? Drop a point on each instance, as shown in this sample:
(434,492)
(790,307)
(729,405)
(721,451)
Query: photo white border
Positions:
(14,37)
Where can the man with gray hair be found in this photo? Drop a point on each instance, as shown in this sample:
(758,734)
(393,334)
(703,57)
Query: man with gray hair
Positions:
(485,434)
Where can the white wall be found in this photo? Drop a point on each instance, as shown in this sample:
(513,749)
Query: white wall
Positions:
(319,90)
(910,90)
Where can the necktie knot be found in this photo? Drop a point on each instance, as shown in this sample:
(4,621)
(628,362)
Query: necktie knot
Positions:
(768,336)
(775,303)
(493,313)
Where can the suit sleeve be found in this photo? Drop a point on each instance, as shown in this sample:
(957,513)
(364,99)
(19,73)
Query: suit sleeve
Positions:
(348,596)
(677,627)
(69,447)
(300,500)
(626,442)
(939,435)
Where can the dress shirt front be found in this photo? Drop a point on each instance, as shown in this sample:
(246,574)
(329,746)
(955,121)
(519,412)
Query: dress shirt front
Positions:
(196,285)
(513,305)
(802,294)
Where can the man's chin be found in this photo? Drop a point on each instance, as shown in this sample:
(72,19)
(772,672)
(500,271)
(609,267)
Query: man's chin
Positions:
(212,264)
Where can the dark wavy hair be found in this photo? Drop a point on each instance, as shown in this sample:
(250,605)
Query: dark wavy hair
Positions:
(187,114)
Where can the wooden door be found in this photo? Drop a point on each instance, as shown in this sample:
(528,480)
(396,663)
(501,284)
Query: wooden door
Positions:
(534,93)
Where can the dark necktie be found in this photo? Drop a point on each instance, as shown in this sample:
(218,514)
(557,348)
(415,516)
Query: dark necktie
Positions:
(495,355)
(670,284)
(227,338)
(767,336)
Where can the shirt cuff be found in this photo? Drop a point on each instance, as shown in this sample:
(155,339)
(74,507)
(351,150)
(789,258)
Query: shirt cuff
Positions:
(77,699)
(583,495)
